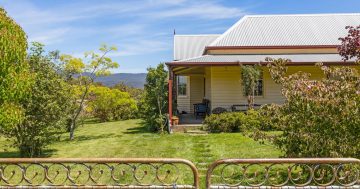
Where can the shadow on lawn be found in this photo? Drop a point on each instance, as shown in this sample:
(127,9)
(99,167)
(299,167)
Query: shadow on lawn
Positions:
(136,130)
(15,154)
(94,137)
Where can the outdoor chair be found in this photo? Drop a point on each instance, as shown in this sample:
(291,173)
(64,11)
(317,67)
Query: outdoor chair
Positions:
(201,108)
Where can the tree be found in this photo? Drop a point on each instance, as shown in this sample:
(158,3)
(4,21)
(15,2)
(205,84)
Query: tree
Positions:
(45,110)
(83,72)
(111,104)
(249,77)
(320,118)
(135,93)
(155,100)
(14,75)
(350,45)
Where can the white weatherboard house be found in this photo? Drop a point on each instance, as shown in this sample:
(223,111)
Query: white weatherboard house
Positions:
(208,66)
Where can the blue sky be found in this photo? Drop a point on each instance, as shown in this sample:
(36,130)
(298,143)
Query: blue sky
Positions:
(143,29)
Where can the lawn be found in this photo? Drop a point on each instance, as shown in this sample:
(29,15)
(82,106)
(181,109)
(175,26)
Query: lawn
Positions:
(130,139)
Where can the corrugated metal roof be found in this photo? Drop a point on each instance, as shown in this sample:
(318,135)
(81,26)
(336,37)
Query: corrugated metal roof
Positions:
(189,46)
(288,30)
(246,58)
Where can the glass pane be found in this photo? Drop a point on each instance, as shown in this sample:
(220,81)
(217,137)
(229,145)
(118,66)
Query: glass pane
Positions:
(258,91)
(182,83)
(259,88)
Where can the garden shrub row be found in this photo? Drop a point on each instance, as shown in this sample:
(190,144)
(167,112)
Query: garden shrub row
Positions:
(236,121)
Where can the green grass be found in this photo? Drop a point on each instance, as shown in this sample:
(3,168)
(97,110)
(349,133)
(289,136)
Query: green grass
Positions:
(129,139)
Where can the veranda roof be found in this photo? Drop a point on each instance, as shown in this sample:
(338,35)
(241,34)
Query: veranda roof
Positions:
(296,59)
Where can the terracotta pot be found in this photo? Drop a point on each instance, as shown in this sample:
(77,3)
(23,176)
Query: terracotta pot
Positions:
(175,120)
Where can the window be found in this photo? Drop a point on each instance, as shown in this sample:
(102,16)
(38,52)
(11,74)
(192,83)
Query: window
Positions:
(259,88)
(181,85)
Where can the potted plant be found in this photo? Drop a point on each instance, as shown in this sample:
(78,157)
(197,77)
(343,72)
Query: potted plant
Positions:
(175,120)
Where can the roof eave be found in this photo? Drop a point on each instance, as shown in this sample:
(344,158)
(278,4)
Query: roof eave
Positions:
(191,64)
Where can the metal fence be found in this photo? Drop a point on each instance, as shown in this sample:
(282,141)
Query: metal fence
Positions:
(178,173)
(97,173)
(284,173)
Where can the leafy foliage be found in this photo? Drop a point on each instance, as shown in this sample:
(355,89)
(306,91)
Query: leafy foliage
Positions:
(74,68)
(135,93)
(320,118)
(218,110)
(45,110)
(155,100)
(111,104)
(233,121)
(249,77)
(15,79)
(350,45)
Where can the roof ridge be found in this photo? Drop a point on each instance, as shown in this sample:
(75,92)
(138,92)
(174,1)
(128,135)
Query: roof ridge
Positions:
(312,14)
(197,34)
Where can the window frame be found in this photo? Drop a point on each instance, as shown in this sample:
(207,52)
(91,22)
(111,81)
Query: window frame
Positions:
(186,86)
(262,87)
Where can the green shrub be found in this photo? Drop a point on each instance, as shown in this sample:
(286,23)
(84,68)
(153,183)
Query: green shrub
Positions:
(233,121)
(320,118)
(218,110)
(111,104)
(154,102)
(267,114)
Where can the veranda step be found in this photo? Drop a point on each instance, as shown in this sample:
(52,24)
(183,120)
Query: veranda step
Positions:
(186,128)
(196,132)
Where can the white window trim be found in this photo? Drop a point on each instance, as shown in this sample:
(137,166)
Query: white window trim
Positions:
(186,89)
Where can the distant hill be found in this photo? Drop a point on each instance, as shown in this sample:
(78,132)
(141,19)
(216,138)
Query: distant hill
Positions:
(136,80)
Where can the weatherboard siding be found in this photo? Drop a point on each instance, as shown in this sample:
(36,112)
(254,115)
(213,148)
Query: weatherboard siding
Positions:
(223,87)
(183,102)
(196,90)
(226,88)
(208,83)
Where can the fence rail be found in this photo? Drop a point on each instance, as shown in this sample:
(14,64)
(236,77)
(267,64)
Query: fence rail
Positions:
(139,173)
(289,173)
(97,173)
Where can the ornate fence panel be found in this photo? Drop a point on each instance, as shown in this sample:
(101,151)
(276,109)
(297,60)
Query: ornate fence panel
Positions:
(97,173)
(284,173)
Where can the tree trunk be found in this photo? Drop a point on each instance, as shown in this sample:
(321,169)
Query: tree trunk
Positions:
(71,129)
(250,100)
(73,121)
(160,113)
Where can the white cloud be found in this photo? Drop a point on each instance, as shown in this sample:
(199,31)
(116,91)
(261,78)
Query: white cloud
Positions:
(50,36)
(144,46)
(204,10)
